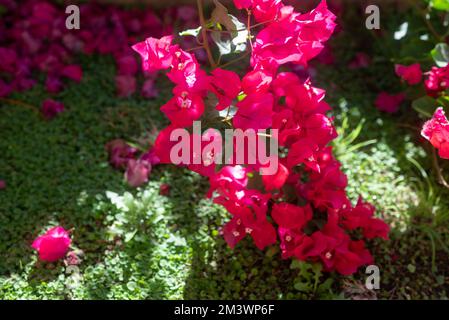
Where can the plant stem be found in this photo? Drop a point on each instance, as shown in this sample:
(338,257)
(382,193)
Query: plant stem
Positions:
(20,104)
(204,34)
(235,60)
(440,176)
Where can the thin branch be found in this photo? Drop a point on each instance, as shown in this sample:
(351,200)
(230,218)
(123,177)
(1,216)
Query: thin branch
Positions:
(235,60)
(204,34)
(20,104)
(437,168)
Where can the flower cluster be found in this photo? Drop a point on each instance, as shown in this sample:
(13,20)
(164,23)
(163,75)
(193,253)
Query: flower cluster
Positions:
(137,168)
(304,203)
(436,82)
(34,39)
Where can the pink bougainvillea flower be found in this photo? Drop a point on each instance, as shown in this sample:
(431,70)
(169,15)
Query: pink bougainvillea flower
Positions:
(262,232)
(2,184)
(5,89)
(126,65)
(137,172)
(8,60)
(436,131)
(50,108)
(411,74)
(53,245)
(72,72)
(362,216)
(120,153)
(149,89)
(289,216)
(126,85)
(277,180)
(164,189)
(151,157)
(389,103)
(228,180)
(304,151)
(156,53)
(243,4)
(266,10)
(225,85)
(187,73)
(320,129)
(53,84)
(256,81)
(163,144)
(254,112)
(184,108)
(437,80)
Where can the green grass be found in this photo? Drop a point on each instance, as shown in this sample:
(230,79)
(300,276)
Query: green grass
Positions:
(137,244)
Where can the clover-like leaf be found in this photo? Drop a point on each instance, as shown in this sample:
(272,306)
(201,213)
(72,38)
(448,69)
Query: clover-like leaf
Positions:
(440,54)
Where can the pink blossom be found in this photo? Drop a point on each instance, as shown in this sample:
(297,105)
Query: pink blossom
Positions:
(437,80)
(225,85)
(184,108)
(156,53)
(254,112)
(2,184)
(149,89)
(50,108)
(137,172)
(126,85)
(389,103)
(73,72)
(436,131)
(127,65)
(411,74)
(120,153)
(242,4)
(53,245)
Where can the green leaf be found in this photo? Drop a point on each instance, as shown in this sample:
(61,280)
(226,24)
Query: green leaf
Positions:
(302,286)
(411,268)
(233,42)
(440,54)
(191,32)
(440,4)
(425,106)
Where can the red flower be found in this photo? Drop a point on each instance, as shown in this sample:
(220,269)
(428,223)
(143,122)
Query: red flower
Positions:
(164,189)
(72,72)
(436,131)
(411,74)
(256,81)
(53,245)
(277,180)
(137,172)
(225,85)
(437,80)
(389,103)
(126,85)
(289,216)
(120,153)
(156,53)
(243,4)
(184,108)
(50,108)
(254,112)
